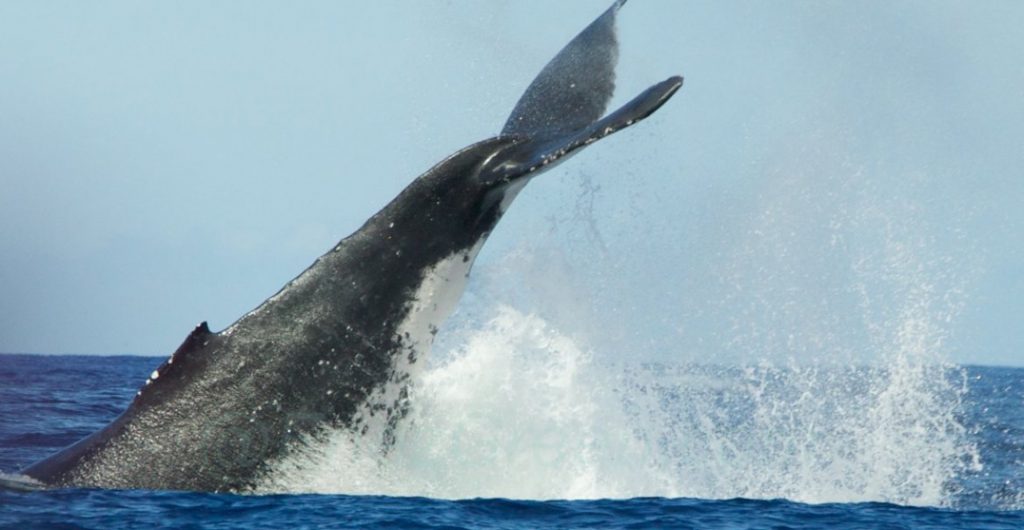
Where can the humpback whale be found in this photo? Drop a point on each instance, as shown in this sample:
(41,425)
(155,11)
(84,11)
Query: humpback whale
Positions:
(337,347)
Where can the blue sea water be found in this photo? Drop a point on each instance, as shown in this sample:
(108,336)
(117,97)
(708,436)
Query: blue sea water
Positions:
(48,402)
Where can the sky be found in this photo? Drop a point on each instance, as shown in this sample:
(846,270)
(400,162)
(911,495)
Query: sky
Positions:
(831,175)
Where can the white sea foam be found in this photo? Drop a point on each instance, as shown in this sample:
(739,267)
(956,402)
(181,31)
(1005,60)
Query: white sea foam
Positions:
(17,482)
(801,354)
(522,411)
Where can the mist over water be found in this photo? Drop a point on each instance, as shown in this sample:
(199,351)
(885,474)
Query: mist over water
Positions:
(796,347)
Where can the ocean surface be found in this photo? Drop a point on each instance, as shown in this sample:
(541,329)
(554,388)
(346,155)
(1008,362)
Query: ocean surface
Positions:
(759,447)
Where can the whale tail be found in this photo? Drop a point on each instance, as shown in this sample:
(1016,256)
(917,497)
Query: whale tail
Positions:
(574,89)
(561,111)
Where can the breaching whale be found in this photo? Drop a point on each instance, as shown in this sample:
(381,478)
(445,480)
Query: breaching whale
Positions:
(335,347)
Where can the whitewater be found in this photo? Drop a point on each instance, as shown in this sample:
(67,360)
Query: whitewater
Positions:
(557,395)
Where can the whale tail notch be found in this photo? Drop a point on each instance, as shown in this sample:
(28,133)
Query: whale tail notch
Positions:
(561,111)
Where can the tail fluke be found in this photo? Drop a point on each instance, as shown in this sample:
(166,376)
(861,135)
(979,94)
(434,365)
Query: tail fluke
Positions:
(534,155)
(561,111)
(574,89)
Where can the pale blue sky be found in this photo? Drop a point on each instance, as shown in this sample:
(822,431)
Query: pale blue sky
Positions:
(828,168)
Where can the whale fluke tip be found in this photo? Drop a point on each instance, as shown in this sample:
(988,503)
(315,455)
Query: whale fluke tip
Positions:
(574,88)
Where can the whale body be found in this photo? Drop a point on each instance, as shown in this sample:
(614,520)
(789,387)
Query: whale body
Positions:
(337,347)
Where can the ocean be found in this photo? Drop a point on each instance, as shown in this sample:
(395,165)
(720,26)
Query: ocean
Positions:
(563,441)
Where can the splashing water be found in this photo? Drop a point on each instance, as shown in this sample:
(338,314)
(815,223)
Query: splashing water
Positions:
(522,411)
(822,376)
(517,411)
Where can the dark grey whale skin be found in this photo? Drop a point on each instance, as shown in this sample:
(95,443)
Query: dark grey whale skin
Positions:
(331,349)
